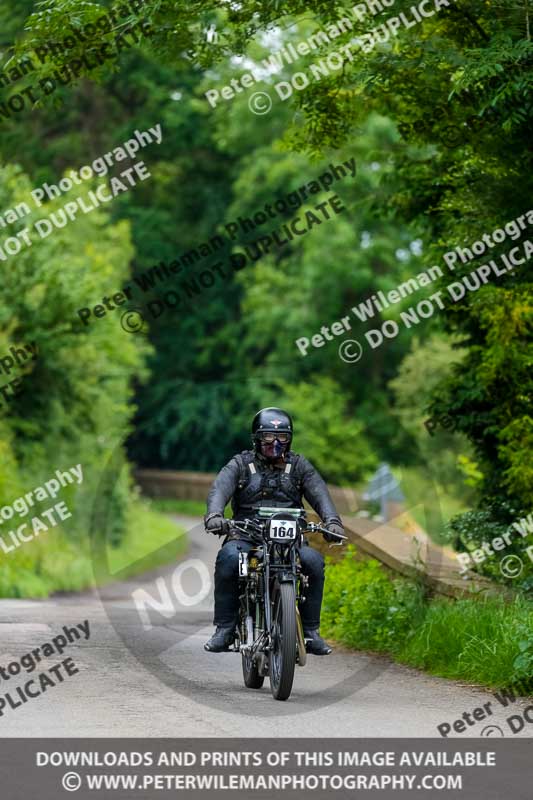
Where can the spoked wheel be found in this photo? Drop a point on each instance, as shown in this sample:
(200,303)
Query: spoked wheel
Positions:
(250,671)
(283,654)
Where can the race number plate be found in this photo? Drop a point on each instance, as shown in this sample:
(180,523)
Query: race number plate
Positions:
(283,530)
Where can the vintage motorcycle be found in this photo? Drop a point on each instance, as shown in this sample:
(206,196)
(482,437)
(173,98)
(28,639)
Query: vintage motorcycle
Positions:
(269,633)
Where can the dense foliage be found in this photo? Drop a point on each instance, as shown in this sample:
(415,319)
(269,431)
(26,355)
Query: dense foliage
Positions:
(73,405)
(365,609)
(232,348)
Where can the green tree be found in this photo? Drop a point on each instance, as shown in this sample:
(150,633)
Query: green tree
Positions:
(74,407)
(421,371)
(326,433)
(465,59)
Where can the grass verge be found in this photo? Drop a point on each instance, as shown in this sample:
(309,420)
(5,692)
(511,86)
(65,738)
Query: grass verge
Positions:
(486,641)
(195,508)
(55,563)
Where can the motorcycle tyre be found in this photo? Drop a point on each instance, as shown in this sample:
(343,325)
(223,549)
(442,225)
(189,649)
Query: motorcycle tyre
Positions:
(284,613)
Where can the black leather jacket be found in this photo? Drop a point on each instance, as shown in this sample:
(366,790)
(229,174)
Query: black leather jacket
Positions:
(249,480)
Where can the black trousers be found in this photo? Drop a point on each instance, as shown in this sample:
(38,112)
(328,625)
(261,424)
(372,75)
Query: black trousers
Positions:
(227,577)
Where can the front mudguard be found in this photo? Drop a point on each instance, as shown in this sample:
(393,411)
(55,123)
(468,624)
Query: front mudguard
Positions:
(285,577)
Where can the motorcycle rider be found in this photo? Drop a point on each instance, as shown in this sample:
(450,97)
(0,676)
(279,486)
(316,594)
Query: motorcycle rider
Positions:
(269,475)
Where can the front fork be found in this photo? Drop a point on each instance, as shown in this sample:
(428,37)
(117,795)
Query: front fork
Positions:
(300,640)
(301,585)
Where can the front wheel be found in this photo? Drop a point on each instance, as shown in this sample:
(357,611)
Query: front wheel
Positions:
(283,654)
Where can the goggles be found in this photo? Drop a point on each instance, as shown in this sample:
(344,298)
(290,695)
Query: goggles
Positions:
(268,437)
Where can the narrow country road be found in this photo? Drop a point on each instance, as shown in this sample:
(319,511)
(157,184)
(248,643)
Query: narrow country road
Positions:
(147,674)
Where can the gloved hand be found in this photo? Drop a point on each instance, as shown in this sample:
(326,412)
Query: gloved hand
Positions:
(334,527)
(215,523)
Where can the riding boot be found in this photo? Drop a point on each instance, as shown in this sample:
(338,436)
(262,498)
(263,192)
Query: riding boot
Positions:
(221,639)
(315,644)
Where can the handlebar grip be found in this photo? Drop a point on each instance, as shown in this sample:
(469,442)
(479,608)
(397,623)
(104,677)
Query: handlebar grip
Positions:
(321,529)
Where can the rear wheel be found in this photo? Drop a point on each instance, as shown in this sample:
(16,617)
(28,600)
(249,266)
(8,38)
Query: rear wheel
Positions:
(283,654)
(250,671)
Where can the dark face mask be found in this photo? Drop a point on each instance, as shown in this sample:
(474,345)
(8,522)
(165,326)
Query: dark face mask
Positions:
(273,450)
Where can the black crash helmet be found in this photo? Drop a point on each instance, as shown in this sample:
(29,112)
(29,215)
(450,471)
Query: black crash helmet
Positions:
(271,420)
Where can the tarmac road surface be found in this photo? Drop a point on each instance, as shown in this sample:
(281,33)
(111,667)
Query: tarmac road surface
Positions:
(150,676)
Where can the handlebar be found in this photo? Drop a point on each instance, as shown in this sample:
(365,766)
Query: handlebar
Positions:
(312,527)
(257,528)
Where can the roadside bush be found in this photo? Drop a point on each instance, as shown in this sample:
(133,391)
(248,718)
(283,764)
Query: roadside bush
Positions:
(486,641)
(53,563)
(468,531)
(365,609)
